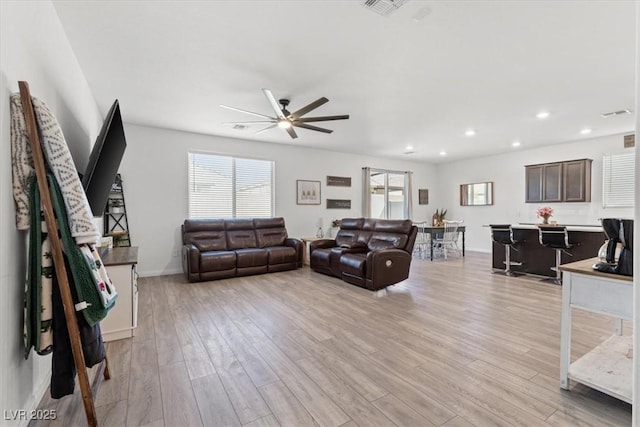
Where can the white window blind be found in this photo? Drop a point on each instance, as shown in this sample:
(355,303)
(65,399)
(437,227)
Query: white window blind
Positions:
(618,180)
(228,187)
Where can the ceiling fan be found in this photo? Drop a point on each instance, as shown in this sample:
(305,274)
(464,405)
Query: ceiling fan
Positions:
(287,120)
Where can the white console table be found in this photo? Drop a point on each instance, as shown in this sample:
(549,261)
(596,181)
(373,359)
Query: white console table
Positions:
(122,319)
(608,367)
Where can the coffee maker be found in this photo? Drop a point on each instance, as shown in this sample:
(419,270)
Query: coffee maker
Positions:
(618,256)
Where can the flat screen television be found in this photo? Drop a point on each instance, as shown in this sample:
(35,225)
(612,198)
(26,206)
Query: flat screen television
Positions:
(104,161)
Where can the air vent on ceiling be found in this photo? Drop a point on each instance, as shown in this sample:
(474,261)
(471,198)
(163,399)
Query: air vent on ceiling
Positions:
(383,7)
(616,113)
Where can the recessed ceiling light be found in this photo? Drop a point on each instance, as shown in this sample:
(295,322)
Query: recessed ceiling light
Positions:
(585,131)
(542,114)
(470,132)
(515,144)
(409,148)
(443,153)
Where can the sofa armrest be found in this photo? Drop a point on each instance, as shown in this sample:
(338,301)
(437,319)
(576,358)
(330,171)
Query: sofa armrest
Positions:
(321,244)
(191,261)
(353,249)
(298,246)
(386,267)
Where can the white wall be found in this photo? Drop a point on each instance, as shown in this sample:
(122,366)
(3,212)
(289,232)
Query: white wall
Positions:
(508,175)
(33,47)
(154,170)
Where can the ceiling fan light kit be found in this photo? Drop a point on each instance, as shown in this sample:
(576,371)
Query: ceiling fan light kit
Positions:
(285,119)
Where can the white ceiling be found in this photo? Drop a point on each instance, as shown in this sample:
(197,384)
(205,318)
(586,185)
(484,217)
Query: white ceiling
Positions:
(486,65)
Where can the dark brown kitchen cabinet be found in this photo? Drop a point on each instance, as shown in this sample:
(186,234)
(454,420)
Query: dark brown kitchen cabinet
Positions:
(576,176)
(552,182)
(568,181)
(534,183)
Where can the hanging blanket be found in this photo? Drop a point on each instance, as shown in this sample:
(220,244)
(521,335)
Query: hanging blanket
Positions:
(56,152)
(94,290)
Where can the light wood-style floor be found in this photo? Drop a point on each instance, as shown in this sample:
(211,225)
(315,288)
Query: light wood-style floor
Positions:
(452,346)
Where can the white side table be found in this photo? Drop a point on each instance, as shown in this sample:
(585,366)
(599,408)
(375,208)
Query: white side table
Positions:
(122,319)
(608,367)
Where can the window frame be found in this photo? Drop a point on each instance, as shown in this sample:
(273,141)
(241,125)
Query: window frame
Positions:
(234,158)
(628,200)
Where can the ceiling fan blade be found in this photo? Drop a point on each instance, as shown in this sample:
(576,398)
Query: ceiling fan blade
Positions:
(267,128)
(249,123)
(292,133)
(306,126)
(247,112)
(315,104)
(274,104)
(323,118)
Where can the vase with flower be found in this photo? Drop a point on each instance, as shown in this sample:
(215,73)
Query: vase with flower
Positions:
(544,213)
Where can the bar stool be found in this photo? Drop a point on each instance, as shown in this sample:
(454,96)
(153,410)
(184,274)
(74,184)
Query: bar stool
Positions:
(557,238)
(504,235)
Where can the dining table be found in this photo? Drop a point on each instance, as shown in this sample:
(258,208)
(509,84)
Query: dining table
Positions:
(434,231)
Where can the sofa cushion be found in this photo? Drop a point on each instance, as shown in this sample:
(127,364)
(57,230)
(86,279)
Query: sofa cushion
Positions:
(351,223)
(251,257)
(354,264)
(196,225)
(241,239)
(219,260)
(387,241)
(238,224)
(209,241)
(259,223)
(267,237)
(401,226)
(281,254)
(320,257)
(205,234)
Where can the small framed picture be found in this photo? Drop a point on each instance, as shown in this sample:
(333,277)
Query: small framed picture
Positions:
(338,204)
(423,196)
(307,192)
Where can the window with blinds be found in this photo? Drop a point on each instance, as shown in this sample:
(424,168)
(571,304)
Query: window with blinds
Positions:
(618,180)
(229,187)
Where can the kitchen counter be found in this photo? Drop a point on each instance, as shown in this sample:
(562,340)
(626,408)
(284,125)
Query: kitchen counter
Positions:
(538,260)
(570,227)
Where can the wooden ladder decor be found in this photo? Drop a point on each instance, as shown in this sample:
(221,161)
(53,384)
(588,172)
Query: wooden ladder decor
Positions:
(58,259)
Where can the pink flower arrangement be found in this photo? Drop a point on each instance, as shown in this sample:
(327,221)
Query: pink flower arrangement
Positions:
(544,212)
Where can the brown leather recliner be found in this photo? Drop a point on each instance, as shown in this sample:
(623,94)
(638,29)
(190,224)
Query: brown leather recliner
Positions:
(221,248)
(367,252)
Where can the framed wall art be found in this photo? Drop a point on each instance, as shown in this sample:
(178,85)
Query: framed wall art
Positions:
(423,196)
(307,192)
(339,181)
(338,204)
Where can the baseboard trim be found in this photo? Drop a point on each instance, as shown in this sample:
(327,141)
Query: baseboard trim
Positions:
(167,272)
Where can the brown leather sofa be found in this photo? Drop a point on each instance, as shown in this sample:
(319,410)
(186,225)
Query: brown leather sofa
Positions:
(221,248)
(367,252)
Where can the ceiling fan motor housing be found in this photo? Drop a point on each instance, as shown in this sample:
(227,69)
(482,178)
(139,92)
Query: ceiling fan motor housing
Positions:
(284,103)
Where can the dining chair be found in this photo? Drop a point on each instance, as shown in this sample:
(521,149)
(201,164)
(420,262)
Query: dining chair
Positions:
(423,239)
(449,240)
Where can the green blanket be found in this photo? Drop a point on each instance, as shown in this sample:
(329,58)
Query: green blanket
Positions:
(87,275)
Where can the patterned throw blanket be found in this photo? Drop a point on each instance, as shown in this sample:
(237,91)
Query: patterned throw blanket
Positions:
(60,162)
(94,291)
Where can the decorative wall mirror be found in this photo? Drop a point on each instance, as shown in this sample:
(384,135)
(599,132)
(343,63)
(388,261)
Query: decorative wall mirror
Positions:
(478,194)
